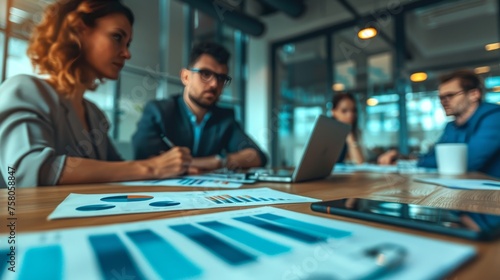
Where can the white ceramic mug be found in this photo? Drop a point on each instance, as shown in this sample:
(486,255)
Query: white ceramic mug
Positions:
(451,158)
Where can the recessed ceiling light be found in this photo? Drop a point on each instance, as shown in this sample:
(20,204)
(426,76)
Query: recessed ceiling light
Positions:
(16,19)
(372,102)
(418,77)
(482,70)
(18,12)
(492,46)
(367,33)
(338,87)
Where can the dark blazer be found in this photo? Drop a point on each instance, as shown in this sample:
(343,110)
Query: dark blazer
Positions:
(221,132)
(39,129)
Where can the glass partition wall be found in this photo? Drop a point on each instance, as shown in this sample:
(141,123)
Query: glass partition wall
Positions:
(393,111)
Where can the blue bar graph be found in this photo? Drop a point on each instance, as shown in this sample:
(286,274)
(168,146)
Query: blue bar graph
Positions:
(288,232)
(191,182)
(244,199)
(249,239)
(42,263)
(233,198)
(308,227)
(113,257)
(4,261)
(227,252)
(163,257)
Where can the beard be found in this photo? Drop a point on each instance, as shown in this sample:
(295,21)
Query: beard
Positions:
(199,102)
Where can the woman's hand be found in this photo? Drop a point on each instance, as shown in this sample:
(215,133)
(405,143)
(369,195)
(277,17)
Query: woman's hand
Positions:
(351,140)
(388,157)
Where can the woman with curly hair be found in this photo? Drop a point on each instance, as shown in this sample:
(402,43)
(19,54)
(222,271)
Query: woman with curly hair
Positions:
(344,110)
(50,134)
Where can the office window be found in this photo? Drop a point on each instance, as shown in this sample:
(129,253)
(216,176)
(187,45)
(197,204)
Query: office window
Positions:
(17,61)
(301,86)
(364,69)
(2,40)
(446,37)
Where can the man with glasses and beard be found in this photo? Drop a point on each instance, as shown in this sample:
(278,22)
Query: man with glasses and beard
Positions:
(476,123)
(193,119)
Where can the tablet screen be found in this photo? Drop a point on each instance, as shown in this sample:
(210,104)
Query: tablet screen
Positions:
(453,222)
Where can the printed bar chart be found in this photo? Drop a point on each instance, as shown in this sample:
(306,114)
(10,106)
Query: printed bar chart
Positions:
(226,198)
(113,256)
(288,232)
(227,252)
(256,243)
(308,227)
(167,261)
(37,265)
(246,238)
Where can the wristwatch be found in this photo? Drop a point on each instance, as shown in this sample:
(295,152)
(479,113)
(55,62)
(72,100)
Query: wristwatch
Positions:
(222,158)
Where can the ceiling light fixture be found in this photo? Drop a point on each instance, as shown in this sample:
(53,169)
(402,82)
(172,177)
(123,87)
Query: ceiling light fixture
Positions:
(338,87)
(482,70)
(18,12)
(492,46)
(418,77)
(367,32)
(372,102)
(16,19)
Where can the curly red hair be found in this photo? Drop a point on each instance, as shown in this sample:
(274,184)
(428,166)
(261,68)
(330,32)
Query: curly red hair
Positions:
(55,44)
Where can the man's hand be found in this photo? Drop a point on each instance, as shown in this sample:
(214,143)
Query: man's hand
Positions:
(172,163)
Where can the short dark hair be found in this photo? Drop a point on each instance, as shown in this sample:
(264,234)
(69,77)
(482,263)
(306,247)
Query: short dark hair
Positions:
(218,52)
(468,79)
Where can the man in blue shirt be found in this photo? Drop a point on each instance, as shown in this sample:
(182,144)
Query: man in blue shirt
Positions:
(194,120)
(476,123)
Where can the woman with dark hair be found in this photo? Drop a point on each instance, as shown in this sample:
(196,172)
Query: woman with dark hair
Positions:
(344,110)
(50,134)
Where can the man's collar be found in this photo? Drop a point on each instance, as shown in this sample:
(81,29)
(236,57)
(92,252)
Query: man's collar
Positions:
(191,115)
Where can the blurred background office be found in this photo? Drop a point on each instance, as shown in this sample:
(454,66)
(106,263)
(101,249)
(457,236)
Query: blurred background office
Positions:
(290,57)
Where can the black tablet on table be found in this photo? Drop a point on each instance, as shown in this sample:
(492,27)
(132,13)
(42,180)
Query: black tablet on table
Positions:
(470,225)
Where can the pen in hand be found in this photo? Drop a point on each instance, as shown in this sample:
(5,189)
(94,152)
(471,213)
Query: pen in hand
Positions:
(167,141)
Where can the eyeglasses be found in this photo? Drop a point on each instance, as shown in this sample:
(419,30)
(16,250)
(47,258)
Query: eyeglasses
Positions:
(447,97)
(208,75)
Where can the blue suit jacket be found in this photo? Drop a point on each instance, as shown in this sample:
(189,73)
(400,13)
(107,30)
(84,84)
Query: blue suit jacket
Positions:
(221,132)
(481,133)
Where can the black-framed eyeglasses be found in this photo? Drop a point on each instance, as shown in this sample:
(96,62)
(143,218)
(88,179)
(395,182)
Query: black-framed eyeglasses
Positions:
(207,76)
(447,97)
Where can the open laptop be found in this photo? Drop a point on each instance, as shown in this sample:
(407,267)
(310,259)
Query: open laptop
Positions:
(320,153)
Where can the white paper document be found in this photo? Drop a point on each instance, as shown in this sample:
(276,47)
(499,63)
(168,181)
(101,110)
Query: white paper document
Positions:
(259,243)
(466,184)
(89,205)
(188,181)
(375,168)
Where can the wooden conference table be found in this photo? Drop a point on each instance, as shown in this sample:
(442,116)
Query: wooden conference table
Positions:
(33,205)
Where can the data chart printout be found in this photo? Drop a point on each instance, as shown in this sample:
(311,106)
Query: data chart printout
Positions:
(257,243)
(89,205)
(189,181)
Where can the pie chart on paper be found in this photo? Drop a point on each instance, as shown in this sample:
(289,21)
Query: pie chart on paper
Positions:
(164,203)
(127,198)
(95,207)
